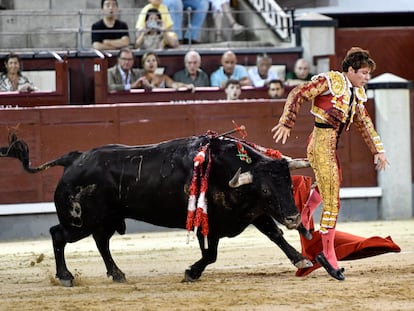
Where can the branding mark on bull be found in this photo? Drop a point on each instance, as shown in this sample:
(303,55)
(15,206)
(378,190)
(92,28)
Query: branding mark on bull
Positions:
(76,211)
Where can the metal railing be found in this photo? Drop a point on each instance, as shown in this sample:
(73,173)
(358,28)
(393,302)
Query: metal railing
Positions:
(71,30)
(275,17)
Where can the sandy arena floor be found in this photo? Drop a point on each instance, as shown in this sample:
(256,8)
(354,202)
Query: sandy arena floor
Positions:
(250,274)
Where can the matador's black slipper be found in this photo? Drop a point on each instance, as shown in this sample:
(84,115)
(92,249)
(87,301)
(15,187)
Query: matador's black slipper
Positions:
(335,273)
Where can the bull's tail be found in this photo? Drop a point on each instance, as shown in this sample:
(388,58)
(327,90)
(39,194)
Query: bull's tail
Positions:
(18,149)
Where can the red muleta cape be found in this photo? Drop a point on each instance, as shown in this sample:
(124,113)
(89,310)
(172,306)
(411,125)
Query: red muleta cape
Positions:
(347,246)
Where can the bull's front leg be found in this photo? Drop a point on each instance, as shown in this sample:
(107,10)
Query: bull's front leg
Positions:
(209,256)
(268,227)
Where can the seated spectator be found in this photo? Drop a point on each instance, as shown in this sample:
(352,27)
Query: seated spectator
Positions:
(261,74)
(170,37)
(12,78)
(150,63)
(109,33)
(152,37)
(300,73)
(199,9)
(276,89)
(192,73)
(223,6)
(229,69)
(122,77)
(232,89)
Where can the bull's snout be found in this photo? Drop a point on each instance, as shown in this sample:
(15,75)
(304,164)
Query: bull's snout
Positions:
(292,222)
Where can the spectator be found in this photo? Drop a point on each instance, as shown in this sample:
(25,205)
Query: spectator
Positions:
(150,63)
(192,73)
(300,73)
(276,89)
(199,9)
(170,37)
(153,37)
(229,69)
(223,6)
(232,89)
(12,78)
(262,74)
(109,33)
(122,76)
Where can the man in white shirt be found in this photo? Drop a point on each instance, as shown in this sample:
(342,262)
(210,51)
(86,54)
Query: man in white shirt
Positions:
(262,74)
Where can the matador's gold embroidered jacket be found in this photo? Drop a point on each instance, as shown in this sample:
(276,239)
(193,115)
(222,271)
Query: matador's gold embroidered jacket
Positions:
(330,94)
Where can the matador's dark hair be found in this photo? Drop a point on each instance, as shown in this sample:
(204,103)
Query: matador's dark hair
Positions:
(358,58)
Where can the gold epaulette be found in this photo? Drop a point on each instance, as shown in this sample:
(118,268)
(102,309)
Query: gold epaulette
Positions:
(360,94)
(336,83)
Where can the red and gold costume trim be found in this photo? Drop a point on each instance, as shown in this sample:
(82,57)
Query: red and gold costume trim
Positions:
(330,96)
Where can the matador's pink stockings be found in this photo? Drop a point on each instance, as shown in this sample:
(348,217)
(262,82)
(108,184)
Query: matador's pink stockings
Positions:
(328,246)
(310,206)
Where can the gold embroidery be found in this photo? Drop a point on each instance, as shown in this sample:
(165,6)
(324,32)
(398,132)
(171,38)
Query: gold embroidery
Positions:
(336,82)
(360,94)
(322,157)
(366,128)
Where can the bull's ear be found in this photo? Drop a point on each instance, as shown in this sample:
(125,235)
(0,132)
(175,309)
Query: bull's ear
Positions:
(241,179)
(298,163)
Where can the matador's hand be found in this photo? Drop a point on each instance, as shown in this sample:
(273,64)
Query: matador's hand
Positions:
(380,161)
(281,132)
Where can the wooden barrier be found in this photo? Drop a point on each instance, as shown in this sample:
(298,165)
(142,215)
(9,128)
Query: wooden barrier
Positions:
(53,131)
(38,98)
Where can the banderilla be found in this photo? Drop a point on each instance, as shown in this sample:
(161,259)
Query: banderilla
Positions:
(241,129)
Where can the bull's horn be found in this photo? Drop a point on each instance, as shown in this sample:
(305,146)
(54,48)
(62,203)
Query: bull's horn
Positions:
(298,163)
(241,179)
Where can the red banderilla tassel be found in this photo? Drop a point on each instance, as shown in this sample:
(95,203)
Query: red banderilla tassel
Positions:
(200,157)
(191,208)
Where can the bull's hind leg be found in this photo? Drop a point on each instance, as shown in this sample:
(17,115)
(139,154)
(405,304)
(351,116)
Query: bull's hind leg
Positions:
(102,242)
(60,239)
(267,226)
(209,256)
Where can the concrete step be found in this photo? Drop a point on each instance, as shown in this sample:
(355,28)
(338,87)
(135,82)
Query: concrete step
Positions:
(66,5)
(64,28)
(70,27)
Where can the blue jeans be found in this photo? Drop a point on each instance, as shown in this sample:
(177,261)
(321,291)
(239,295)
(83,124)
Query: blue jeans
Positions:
(198,15)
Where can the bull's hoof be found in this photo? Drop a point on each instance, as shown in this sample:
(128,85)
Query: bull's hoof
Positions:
(118,277)
(65,278)
(335,273)
(307,234)
(304,263)
(188,278)
(66,283)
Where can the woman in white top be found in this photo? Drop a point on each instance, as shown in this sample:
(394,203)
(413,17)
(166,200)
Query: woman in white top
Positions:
(12,79)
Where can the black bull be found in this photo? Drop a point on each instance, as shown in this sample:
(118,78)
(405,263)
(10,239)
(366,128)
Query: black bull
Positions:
(103,186)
